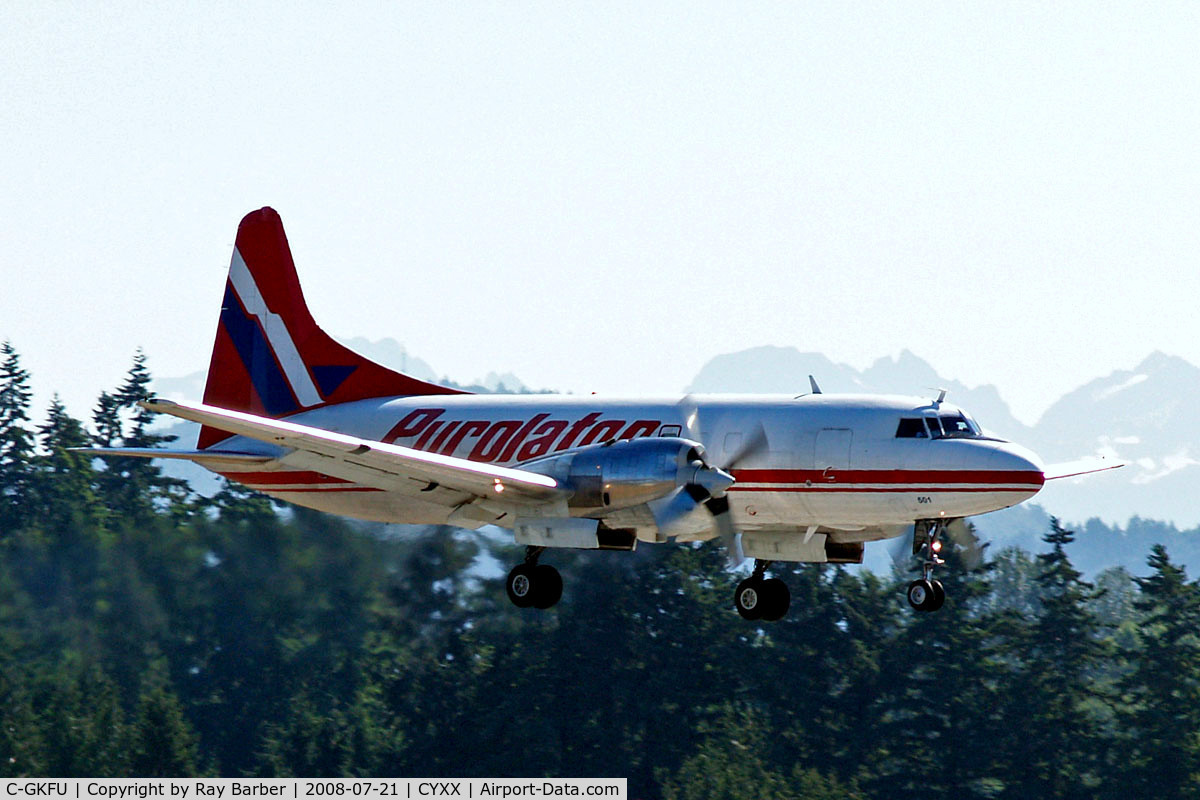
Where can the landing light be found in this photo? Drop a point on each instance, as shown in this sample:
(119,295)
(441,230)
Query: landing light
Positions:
(937,547)
(499,487)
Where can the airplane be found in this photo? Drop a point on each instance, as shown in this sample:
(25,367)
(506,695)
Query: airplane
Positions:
(812,477)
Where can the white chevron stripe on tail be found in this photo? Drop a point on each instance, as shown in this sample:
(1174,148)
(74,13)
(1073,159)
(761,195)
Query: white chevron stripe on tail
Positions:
(277,333)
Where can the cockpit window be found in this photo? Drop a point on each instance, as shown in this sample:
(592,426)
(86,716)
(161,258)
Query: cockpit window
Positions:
(935,427)
(943,426)
(957,426)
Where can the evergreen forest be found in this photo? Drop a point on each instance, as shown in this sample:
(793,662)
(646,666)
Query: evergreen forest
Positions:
(147,631)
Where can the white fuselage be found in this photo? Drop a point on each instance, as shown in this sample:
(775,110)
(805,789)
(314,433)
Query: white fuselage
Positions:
(846,463)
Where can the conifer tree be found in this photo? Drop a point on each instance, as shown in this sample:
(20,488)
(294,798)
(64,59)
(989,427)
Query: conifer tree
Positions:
(942,687)
(133,487)
(729,765)
(135,390)
(161,742)
(815,640)
(318,741)
(82,725)
(65,497)
(1054,744)
(236,502)
(106,418)
(1162,690)
(21,748)
(16,440)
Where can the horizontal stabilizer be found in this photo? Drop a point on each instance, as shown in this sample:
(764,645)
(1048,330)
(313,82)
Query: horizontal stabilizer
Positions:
(1084,466)
(214,456)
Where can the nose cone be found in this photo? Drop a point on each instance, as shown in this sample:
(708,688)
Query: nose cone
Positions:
(1014,467)
(984,475)
(1016,458)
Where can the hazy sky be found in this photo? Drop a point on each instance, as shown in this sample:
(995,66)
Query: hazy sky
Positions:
(603,197)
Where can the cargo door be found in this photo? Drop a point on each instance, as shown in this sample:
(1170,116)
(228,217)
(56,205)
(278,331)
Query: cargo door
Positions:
(831,453)
(831,459)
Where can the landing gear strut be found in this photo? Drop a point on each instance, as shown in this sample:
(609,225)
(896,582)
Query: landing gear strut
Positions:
(533,584)
(927,593)
(762,598)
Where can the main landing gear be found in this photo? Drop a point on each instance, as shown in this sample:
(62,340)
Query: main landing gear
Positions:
(532,584)
(927,593)
(762,598)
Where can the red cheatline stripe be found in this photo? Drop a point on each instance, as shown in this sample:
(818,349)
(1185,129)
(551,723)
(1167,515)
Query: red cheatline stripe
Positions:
(889,476)
(332,490)
(282,478)
(843,489)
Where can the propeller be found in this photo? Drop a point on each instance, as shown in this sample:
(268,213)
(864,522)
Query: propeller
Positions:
(963,535)
(710,482)
(957,531)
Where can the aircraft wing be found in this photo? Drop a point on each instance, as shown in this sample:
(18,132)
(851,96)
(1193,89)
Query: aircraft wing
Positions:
(383,466)
(1084,466)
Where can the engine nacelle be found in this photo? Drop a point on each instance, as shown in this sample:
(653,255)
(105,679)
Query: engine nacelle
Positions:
(615,475)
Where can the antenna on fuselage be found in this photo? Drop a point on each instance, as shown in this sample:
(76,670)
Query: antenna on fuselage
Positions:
(813,383)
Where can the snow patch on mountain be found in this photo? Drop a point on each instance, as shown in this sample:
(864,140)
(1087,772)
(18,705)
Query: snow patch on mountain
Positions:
(1109,391)
(1152,470)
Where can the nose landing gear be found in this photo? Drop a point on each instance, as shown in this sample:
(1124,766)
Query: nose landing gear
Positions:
(532,584)
(927,593)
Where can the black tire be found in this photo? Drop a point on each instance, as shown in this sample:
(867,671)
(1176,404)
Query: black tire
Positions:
(920,594)
(778,599)
(547,586)
(939,595)
(521,585)
(749,599)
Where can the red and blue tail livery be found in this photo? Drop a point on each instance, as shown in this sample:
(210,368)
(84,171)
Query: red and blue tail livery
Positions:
(270,357)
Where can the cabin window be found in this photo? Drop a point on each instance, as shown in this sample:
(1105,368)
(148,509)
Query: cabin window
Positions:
(911,428)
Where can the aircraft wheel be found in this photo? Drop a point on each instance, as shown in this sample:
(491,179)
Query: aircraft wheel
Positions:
(521,585)
(921,595)
(939,595)
(547,586)
(750,599)
(778,599)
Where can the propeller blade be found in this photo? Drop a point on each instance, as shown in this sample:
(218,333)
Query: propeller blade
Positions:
(899,550)
(958,532)
(753,444)
(723,522)
(717,506)
(681,505)
(967,542)
(689,412)
(707,487)
(711,482)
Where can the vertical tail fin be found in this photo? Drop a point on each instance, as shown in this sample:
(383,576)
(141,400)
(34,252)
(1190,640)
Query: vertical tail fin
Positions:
(270,357)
